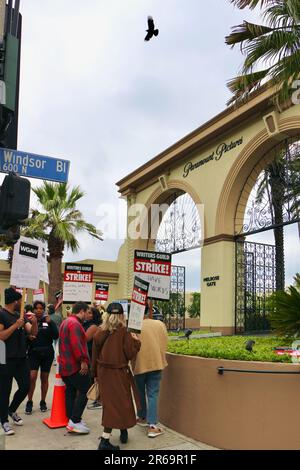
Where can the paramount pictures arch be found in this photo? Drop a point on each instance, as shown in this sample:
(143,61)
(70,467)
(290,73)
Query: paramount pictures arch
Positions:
(219,165)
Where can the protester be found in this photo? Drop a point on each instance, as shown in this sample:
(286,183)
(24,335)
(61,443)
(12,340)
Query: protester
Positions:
(12,332)
(74,366)
(113,348)
(90,327)
(41,354)
(147,369)
(28,311)
(57,319)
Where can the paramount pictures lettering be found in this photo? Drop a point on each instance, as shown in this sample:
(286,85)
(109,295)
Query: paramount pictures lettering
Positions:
(216,155)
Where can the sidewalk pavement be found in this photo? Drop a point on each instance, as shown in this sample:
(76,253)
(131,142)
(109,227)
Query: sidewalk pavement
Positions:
(36,435)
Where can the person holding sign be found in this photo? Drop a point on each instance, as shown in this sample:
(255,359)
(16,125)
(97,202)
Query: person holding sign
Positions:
(147,368)
(113,348)
(41,354)
(12,332)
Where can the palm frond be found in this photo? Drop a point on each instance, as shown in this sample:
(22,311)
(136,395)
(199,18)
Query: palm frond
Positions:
(246,31)
(58,217)
(243,85)
(274,46)
(241,4)
(286,316)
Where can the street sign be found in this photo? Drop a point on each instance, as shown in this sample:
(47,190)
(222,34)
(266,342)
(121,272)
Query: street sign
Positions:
(34,166)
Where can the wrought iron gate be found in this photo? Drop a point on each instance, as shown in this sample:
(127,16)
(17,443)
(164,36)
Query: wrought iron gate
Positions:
(174,309)
(255,282)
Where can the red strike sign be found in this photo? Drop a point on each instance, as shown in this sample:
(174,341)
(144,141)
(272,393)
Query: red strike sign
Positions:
(152,267)
(101,292)
(139,297)
(76,276)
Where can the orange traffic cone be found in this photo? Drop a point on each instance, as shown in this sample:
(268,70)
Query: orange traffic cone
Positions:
(58,418)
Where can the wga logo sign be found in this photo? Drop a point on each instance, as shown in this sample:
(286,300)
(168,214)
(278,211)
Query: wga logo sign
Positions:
(2,353)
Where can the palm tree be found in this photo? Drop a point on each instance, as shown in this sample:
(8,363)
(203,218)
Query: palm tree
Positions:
(285,318)
(272,187)
(279,184)
(272,51)
(58,222)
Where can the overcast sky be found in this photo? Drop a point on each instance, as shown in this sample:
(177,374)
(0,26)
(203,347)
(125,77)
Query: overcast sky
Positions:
(93,92)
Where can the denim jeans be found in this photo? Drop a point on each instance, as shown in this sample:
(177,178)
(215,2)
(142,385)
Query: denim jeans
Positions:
(148,387)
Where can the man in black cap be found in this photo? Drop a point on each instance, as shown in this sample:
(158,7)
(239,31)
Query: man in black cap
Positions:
(12,332)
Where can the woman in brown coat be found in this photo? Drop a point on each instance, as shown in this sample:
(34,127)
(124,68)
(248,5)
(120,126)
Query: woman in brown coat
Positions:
(113,348)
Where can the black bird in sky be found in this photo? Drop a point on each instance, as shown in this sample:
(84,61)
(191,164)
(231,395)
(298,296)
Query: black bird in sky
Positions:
(249,345)
(151,29)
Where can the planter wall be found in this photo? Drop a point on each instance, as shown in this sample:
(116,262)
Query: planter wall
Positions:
(234,410)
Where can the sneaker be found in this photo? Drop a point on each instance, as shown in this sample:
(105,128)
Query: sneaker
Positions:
(28,409)
(77,427)
(124,436)
(154,431)
(142,422)
(106,445)
(43,406)
(85,425)
(96,405)
(7,429)
(16,419)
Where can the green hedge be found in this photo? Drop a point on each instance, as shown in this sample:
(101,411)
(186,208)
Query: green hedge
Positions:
(232,347)
(181,332)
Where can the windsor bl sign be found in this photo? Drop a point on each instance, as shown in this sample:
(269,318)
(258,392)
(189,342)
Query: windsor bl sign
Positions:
(34,166)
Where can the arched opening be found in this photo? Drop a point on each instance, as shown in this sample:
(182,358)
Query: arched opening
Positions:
(267,231)
(179,231)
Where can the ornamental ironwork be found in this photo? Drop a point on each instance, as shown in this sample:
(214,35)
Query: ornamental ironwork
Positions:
(275,198)
(255,283)
(174,309)
(180,228)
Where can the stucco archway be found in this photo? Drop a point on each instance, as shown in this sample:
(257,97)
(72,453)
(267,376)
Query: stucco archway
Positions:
(244,173)
(224,157)
(160,196)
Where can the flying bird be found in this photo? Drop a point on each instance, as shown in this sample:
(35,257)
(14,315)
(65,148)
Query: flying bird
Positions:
(151,31)
(249,345)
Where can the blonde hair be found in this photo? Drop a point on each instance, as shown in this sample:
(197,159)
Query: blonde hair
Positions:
(111,322)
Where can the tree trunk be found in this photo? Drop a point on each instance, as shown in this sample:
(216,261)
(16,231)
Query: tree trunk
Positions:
(56,251)
(277,184)
(55,278)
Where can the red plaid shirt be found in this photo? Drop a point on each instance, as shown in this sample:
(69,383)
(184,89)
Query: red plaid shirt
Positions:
(72,346)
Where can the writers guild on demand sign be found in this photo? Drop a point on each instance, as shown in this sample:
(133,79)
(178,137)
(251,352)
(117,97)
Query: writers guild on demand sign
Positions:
(155,268)
(215,155)
(78,283)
